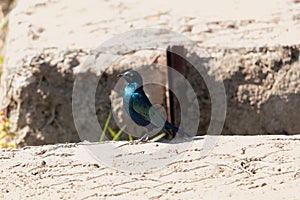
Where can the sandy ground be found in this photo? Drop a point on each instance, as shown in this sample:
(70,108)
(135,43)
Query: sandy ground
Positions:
(239,167)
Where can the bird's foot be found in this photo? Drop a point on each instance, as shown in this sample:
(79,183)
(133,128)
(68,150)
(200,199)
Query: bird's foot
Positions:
(143,139)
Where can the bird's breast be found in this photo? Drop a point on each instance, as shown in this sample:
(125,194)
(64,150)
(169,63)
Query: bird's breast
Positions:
(129,90)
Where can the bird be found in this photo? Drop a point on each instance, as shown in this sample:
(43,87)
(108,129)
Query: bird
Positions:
(141,110)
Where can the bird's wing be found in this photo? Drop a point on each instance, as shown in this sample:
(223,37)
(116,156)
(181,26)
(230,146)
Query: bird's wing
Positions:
(143,107)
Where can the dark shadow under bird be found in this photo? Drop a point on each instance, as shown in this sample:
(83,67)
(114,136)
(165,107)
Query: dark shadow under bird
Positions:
(140,109)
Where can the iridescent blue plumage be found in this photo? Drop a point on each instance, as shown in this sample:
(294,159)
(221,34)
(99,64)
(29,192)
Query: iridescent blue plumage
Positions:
(140,109)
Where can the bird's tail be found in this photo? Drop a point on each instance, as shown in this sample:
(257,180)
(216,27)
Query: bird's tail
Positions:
(168,125)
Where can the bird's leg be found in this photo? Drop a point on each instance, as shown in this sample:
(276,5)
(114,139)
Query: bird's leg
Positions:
(145,138)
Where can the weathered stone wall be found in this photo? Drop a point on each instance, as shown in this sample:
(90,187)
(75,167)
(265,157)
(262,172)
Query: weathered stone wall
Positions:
(7,5)
(263,90)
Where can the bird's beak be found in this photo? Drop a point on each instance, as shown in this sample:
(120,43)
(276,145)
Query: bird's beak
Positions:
(120,75)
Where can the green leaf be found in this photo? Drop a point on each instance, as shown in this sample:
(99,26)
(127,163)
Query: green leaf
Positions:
(11,134)
(112,133)
(105,128)
(1,64)
(157,138)
(117,136)
(1,60)
(130,137)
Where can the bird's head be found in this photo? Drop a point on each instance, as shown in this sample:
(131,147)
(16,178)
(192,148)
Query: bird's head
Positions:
(132,76)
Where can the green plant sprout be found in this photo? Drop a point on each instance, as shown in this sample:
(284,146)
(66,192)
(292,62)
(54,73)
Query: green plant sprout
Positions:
(159,137)
(116,135)
(105,128)
(6,135)
(1,64)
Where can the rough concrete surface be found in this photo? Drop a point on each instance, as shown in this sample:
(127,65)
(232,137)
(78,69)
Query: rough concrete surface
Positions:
(239,167)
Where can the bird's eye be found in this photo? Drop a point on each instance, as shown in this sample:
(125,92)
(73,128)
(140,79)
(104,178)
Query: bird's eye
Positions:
(131,74)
